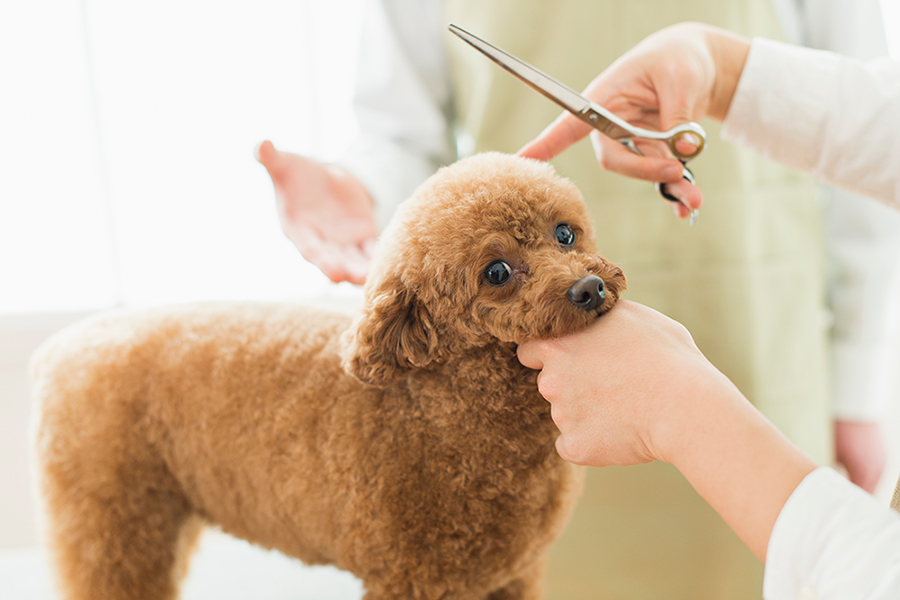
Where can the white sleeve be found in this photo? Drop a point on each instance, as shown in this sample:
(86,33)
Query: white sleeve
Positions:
(402,101)
(832,541)
(831,116)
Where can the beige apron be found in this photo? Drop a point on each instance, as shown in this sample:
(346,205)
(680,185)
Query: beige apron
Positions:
(746,281)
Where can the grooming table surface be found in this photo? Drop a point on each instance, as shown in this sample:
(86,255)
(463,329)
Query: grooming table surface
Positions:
(223,568)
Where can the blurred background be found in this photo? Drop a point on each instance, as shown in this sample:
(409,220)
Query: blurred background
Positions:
(126,168)
(127,176)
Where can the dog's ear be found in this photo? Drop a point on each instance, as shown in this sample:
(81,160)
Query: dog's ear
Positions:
(393,334)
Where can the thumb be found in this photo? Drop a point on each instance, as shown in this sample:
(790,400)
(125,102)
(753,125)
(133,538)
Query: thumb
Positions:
(559,135)
(530,356)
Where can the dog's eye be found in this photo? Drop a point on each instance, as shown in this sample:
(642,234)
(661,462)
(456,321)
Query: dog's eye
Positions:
(564,234)
(497,273)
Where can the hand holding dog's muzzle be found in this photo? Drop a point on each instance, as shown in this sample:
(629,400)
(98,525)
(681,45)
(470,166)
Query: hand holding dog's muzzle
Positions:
(614,387)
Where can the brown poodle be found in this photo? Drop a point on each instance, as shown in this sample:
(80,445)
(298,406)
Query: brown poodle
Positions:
(407,445)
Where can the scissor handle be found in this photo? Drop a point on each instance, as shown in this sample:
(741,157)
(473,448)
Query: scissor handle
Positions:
(673,135)
(661,187)
(680,131)
(619,129)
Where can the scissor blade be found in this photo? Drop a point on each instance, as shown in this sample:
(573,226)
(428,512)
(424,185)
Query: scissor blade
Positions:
(546,85)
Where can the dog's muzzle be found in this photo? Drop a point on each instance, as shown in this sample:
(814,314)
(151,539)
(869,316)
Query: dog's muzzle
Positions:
(588,292)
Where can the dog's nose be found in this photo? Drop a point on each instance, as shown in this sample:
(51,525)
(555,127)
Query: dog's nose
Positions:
(588,292)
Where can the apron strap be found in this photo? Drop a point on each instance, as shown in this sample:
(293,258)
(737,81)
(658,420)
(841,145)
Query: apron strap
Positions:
(895,501)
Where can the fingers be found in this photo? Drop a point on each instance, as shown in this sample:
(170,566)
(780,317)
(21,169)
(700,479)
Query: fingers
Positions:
(653,166)
(343,264)
(351,264)
(559,135)
(337,262)
(567,448)
(265,153)
(615,157)
(678,105)
(271,158)
(689,194)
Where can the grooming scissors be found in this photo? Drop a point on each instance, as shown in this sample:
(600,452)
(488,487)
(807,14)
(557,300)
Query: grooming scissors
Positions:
(593,114)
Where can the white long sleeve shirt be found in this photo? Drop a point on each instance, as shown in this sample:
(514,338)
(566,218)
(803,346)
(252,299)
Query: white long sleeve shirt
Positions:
(837,118)
(402,101)
(831,116)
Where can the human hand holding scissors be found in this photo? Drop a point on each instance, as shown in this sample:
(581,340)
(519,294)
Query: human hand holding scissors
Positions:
(622,143)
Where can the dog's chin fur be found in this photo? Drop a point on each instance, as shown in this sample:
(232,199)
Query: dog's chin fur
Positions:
(407,445)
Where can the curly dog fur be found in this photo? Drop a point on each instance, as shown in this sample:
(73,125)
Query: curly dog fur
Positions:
(407,445)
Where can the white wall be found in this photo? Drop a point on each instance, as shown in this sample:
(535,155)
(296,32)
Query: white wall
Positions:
(126,167)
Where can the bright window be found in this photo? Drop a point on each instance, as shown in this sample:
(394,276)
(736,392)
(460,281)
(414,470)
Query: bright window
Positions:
(126,138)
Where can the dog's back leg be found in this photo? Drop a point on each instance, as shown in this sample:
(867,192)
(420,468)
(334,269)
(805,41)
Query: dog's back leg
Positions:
(115,519)
(120,536)
(124,538)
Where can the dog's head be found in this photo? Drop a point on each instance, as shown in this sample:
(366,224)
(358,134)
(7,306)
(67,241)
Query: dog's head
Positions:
(492,248)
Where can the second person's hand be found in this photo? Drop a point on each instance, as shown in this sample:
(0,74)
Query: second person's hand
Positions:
(324,211)
(859,446)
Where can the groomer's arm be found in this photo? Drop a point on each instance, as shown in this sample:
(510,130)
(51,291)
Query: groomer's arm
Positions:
(634,388)
(736,460)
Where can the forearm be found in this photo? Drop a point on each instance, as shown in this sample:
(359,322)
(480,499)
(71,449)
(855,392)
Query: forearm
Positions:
(736,460)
